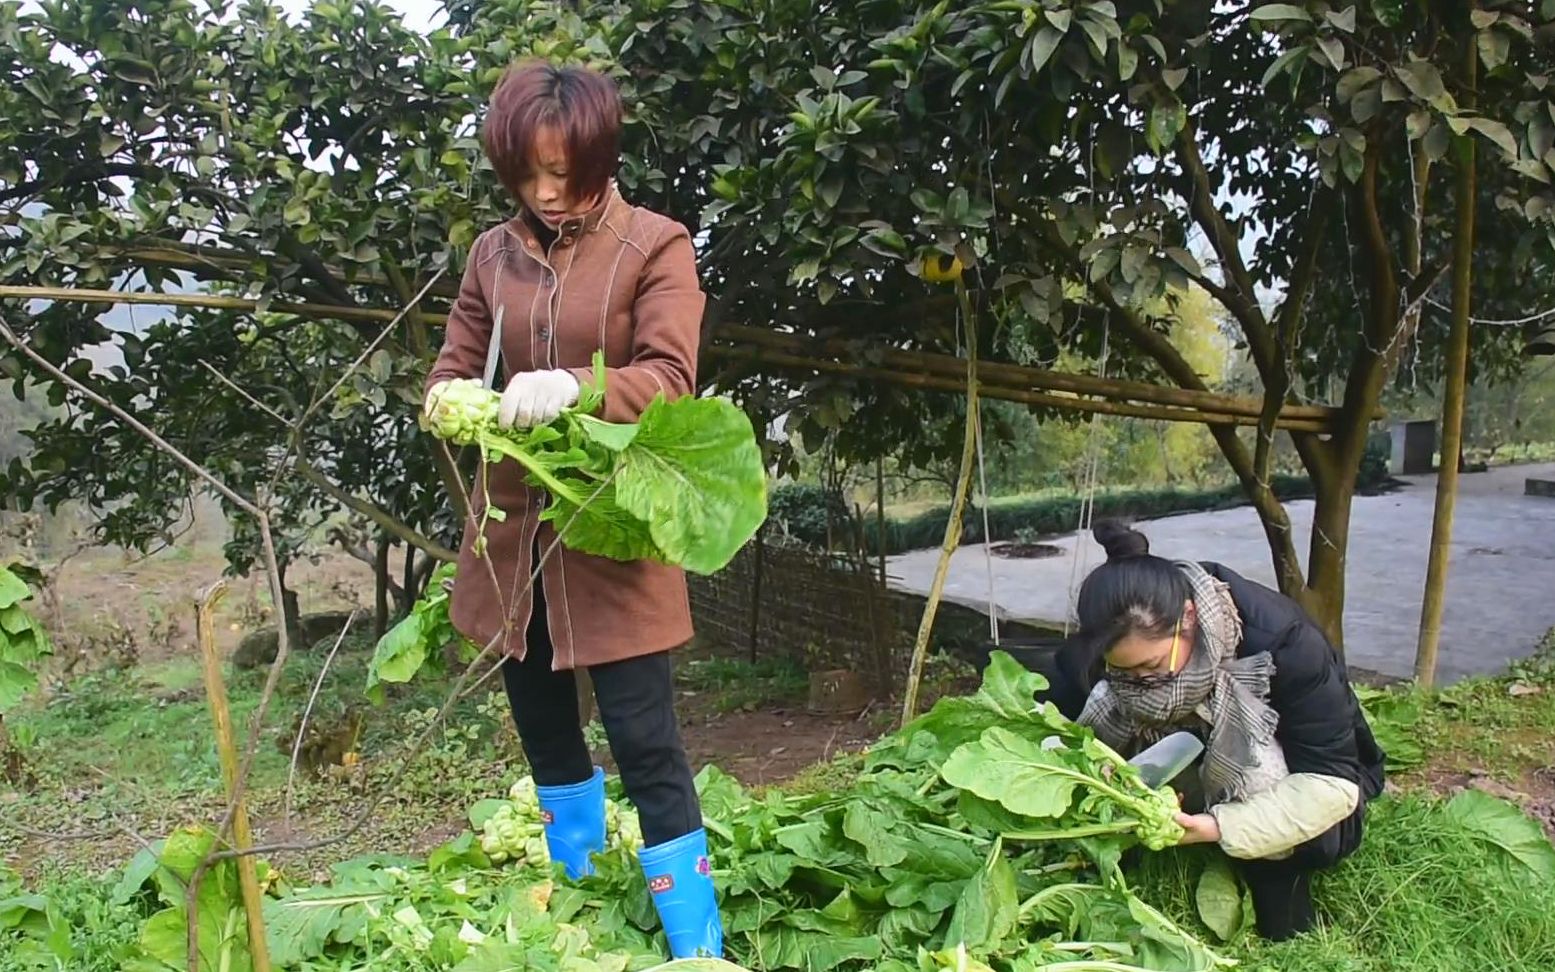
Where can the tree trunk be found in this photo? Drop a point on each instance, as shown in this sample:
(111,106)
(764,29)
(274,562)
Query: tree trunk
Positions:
(381,589)
(1323,594)
(409,585)
(290,613)
(1452,403)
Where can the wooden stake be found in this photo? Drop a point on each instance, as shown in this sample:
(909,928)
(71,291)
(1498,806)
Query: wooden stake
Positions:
(920,649)
(880,516)
(227,750)
(1457,367)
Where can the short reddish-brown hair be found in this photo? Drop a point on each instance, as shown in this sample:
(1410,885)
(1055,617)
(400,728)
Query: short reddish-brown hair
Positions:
(582,105)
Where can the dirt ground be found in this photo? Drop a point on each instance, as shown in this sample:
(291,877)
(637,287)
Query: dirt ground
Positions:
(141,608)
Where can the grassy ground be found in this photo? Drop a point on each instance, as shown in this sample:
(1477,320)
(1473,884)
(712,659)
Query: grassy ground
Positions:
(125,755)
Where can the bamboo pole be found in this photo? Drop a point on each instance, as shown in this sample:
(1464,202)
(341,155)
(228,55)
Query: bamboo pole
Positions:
(1022,396)
(226,749)
(1196,407)
(1021,376)
(920,649)
(206,301)
(1457,367)
(908,367)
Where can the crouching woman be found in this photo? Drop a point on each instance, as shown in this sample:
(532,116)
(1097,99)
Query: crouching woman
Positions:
(1289,762)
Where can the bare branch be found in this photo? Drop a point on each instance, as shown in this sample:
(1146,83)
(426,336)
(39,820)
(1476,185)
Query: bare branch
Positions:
(307,713)
(198,470)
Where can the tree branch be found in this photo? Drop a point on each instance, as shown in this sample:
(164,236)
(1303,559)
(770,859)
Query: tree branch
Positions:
(378,516)
(199,471)
(1242,291)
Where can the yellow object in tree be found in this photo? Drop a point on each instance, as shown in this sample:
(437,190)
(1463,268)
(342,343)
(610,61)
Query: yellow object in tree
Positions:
(937,269)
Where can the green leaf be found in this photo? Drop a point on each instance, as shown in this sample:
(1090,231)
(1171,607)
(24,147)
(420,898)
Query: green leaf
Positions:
(1219,899)
(694,474)
(15,912)
(1423,81)
(1015,772)
(884,241)
(1043,44)
(1366,106)
(1342,19)
(1353,81)
(1497,133)
(1185,259)
(399,654)
(1494,48)
(1501,824)
(1436,142)
(1284,63)
(300,927)
(136,873)
(989,905)
(1278,12)
(1128,62)
(13,590)
(1333,50)
(16,683)
(1166,121)
(484,810)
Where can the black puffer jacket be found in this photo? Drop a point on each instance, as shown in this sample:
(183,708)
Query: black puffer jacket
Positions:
(1322,729)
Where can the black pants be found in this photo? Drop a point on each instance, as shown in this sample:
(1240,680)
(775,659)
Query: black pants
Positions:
(1282,890)
(636,701)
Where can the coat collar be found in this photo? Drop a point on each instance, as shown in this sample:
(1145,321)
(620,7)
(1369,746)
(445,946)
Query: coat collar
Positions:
(524,228)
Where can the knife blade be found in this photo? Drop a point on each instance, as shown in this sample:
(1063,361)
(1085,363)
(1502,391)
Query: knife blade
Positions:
(494,349)
(1159,764)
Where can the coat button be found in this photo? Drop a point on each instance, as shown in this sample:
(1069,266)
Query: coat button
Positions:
(545,334)
(529,243)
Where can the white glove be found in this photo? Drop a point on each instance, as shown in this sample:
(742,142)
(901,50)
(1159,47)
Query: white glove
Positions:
(536,397)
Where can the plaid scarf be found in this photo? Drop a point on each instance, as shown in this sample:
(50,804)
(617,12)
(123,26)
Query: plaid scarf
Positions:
(1215,689)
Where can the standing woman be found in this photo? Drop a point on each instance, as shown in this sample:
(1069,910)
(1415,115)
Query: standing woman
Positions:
(1290,762)
(579,269)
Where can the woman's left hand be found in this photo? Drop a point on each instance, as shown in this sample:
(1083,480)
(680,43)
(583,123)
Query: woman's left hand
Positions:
(1199,828)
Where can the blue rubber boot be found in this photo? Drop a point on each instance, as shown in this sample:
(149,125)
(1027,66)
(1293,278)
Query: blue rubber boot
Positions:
(574,818)
(681,881)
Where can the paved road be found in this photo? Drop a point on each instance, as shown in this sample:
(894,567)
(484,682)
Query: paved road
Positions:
(1500,583)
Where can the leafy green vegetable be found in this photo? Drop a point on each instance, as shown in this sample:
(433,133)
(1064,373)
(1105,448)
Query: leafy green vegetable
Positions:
(1020,763)
(1393,716)
(22,640)
(408,647)
(1498,823)
(684,485)
(988,909)
(1219,899)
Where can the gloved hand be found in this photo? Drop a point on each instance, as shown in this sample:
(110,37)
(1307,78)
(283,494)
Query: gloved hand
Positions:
(536,397)
(433,394)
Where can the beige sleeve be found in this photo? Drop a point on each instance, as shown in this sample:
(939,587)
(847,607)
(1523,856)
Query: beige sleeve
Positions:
(1293,811)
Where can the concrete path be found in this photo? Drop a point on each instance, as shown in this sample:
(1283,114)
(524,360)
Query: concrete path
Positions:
(1500,582)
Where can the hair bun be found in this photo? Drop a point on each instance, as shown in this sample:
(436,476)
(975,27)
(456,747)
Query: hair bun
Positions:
(1120,540)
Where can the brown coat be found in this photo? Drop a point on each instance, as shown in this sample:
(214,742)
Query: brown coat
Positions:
(623,279)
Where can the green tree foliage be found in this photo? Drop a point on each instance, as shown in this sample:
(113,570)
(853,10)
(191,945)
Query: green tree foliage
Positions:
(1087,161)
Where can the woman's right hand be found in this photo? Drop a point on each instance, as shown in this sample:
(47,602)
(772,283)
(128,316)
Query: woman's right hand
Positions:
(433,395)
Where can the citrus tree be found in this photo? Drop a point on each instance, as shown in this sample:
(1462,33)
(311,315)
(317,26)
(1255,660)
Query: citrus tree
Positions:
(1086,162)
